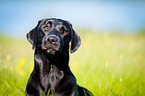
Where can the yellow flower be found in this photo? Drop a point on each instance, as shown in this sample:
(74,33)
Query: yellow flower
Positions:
(21,72)
(22,62)
(32,64)
(18,67)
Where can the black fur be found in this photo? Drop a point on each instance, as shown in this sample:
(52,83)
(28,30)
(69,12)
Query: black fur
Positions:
(51,75)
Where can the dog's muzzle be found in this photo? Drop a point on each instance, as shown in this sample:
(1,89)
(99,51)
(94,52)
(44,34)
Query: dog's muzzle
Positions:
(51,44)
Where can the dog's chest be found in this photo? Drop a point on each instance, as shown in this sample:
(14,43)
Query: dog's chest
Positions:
(55,75)
(52,79)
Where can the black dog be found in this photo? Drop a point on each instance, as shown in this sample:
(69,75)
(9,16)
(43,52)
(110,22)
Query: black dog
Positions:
(51,75)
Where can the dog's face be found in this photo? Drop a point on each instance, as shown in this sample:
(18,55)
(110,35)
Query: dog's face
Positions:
(53,36)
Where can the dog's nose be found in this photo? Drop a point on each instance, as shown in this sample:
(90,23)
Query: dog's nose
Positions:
(52,39)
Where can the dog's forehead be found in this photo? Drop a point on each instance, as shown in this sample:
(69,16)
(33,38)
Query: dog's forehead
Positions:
(57,23)
(54,21)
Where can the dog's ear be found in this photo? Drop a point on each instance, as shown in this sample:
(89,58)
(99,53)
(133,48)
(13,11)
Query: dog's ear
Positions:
(32,36)
(75,40)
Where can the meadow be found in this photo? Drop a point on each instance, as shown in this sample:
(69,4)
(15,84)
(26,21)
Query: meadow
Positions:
(108,64)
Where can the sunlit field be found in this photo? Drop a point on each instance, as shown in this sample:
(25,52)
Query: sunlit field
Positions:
(108,64)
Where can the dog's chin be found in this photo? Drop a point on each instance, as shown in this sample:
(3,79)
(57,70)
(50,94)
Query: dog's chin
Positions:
(51,51)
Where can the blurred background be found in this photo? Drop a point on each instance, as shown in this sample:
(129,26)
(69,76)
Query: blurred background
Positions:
(110,60)
(18,17)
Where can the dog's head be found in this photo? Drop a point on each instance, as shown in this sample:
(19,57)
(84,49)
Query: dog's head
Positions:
(53,36)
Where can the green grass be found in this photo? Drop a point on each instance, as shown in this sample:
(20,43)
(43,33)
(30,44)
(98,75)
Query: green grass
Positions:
(108,64)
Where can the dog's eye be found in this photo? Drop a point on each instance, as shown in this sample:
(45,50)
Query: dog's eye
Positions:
(48,26)
(45,28)
(63,30)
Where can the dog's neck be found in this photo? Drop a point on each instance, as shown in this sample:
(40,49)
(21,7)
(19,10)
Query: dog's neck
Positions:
(45,61)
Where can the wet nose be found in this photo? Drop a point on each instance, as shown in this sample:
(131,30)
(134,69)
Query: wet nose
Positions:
(52,39)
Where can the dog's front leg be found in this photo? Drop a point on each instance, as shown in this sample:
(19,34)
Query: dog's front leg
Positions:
(34,85)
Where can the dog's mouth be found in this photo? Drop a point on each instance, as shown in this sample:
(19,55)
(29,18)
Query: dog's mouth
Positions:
(51,48)
(51,51)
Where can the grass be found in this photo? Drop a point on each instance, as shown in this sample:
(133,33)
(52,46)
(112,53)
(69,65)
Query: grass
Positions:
(108,64)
